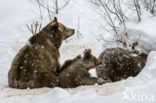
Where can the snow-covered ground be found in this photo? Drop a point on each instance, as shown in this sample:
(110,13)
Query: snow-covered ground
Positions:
(15,14)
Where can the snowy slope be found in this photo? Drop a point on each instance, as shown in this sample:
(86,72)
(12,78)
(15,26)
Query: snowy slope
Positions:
(15,14)
(148,33)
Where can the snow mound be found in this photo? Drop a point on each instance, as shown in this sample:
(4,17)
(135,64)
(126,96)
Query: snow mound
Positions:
(64,96)
(146,30)
(55,94)
(14,34)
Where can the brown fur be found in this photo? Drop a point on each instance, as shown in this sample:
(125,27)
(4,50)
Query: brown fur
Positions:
(75,72)
(36,64)
(118,64)
(69,63)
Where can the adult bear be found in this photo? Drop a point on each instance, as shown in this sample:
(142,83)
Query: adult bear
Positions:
(36,64)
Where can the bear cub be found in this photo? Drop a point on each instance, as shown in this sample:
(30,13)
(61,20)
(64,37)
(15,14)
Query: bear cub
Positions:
(119,63)
(75,72)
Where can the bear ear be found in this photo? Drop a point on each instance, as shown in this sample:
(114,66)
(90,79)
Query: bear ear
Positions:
(55,19)
(55,25)
(87,53)
(54,22)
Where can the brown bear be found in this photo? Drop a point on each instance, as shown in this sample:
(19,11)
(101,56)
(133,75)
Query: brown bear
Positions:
(36,64)
(75,72)
(119,63)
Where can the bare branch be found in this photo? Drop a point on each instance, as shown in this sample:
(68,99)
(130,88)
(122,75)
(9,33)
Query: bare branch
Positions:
(67,2)
(79,35)
(51,9)
(34,28)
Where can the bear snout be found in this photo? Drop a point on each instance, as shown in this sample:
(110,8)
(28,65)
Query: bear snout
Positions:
(73,30)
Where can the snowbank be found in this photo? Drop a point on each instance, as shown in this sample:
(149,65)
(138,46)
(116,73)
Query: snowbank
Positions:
(15,14)
(147,31)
